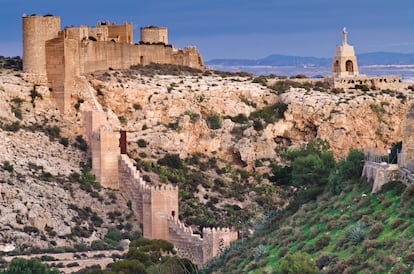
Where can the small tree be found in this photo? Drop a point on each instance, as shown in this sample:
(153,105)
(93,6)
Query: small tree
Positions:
(32,266)
(349,168)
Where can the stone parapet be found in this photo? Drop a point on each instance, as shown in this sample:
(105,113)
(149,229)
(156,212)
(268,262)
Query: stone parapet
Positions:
(380,174)
(187,244)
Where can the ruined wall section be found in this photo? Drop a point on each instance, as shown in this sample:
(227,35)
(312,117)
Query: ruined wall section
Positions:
(37,30)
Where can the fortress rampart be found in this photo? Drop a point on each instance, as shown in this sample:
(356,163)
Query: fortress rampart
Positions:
(58,57)
(157,208)
(372,82)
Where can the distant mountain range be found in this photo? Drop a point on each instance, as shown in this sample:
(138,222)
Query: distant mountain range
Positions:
(364,59)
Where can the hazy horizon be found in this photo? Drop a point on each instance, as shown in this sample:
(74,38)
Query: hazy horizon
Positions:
(237,29)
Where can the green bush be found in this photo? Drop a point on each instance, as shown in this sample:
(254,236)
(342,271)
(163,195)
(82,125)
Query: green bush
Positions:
(137,106)
(214,121)
(142,143)
(172,161)
(295,263)
(32,266)
(81,143)
(239,118)
(270,114)
(7,166)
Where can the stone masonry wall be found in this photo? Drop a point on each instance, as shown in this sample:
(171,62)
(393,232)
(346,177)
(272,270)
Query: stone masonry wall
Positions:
(372,82)
(216,240)
(380,174)
(157,209)
(132,185)
(187,244)
(104,147)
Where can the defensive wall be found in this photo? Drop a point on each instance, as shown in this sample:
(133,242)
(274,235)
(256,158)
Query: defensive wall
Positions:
(372,82)
(58,57)
(155,206)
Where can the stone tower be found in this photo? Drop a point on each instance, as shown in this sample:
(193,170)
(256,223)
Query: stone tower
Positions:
(345,62)
(154,35)
(37,29)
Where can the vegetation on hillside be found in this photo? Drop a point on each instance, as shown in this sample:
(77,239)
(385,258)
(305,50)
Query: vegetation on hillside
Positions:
(343,229)
(212,192)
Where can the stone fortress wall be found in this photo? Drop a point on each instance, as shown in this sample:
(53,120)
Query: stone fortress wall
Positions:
(156,207)
(58,57)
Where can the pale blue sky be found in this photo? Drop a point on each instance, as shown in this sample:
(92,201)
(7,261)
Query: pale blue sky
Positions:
(237,28)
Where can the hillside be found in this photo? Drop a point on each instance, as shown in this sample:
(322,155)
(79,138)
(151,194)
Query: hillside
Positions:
(221,137)
(352,232)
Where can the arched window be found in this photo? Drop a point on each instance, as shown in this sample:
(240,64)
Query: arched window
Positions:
(349,66)
(336,66)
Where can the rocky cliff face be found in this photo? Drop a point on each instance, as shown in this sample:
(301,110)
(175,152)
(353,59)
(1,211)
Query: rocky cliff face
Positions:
(171,114)
(227,117)
(43,203)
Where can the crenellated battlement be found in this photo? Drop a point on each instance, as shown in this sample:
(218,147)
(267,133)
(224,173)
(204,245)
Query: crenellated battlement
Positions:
(155,206)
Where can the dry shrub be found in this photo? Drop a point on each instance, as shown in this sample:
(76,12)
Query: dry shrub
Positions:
(300,246)
(380,216)
(370,244)
(322,242)
(409,258)
(338,267)
(356,215)
(341,244)
(324,260)
(396,223)
(285,230)
(314,232)
(376,229)
(282,252)
(309,248)
(399,268)
(386,259)
(332,225)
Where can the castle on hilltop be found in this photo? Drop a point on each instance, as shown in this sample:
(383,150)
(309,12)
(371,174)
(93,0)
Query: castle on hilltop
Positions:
(57,57)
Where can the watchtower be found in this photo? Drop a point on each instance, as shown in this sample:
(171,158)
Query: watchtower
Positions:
(345,62)
(37,29)
(154,35)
